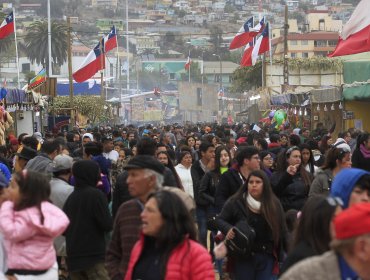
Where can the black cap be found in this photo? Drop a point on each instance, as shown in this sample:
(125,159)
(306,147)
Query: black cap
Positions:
(145,161)
(27,153)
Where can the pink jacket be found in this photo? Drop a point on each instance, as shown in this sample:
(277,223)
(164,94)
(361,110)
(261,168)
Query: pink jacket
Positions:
(188,261)
(28,242)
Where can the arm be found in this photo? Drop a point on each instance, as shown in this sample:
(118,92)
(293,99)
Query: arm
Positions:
(222,192)
(113,256)
(204,188)
(280,181)
(120,194)
(225,220)
(101,213)
(356,158)
(319,184)
(14,226)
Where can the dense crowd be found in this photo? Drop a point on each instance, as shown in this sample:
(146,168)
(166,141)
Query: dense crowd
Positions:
(185,202)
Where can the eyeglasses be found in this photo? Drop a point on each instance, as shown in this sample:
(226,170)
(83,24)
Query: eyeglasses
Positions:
(334,201)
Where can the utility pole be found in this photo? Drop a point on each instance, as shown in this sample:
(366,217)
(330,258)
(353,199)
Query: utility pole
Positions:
(286,70)
(69,41)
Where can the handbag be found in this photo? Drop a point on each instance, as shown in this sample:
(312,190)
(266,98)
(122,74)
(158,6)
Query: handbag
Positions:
(241,244)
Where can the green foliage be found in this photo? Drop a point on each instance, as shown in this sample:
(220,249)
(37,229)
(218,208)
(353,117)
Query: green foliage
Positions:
(89,106)
(150,80)
(314,64)
(195,73)
(247,78)
(36,43)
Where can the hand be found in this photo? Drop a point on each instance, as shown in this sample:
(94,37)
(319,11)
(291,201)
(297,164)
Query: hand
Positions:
(292,169)
(230,234)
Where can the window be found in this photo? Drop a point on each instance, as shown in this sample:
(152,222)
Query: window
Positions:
(230,79)
(26,67)
(293,42)
(293,55)
(111,71)
(304,42)
(172,76)
(305,55)
(199,97)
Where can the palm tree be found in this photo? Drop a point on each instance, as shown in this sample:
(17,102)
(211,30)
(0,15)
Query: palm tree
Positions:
(36,43)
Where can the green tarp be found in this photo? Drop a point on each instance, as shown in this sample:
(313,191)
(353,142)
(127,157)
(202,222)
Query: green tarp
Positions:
(356,92)
(356,71)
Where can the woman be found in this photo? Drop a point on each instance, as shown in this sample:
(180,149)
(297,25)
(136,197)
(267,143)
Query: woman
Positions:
(183,170)
(312,236)
(190,142)
(256,204)
(164,158)
(167,248)
(326,142)
(283,140)
(361,155)
(291,182)
(267,162)
(336,160)
(308,162)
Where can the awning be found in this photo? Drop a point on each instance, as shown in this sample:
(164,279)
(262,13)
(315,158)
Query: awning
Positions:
(326,95)
(295,99)
(356,92)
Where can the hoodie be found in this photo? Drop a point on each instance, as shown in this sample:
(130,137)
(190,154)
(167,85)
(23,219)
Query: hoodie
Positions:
(28,241)
(344,182)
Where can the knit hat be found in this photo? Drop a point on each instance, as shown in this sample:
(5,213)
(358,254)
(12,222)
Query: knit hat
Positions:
(352,222)
(344,182)
(145,162)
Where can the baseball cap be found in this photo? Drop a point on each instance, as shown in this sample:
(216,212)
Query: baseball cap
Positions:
(145,162)
(62,162)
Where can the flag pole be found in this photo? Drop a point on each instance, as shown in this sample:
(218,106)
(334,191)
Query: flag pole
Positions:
(102,60)
(270,38)
(50,72)
(189,66)
(16,49)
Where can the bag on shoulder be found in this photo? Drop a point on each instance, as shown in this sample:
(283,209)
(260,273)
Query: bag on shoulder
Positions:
(241,244)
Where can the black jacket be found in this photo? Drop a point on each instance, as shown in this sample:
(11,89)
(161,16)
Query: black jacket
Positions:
(197,174)
(207,188)
(359,161)
(302,251)
(229,184)
(87,210)
(291,190)
(122,195)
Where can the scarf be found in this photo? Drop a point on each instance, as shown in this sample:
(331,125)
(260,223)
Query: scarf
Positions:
(365,152)
(254,204)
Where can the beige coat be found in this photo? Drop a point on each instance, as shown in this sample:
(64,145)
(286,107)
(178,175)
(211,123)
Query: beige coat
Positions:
(325,266)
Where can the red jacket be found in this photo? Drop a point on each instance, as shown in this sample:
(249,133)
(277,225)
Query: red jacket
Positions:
(189,260)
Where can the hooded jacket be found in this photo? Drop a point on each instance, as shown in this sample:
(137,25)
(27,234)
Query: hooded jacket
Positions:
(87,209)
(344,183)
(28,241)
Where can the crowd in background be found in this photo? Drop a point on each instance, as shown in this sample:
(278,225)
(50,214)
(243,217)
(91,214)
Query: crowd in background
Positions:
(185,201)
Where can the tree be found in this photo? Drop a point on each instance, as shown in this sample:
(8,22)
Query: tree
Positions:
(195,73)
(36,43)
(247,78)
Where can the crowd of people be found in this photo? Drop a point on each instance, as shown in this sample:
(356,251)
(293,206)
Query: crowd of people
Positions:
(202,201)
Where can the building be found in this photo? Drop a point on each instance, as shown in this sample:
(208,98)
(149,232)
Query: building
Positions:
(320,20)
(213,70)
(104,4)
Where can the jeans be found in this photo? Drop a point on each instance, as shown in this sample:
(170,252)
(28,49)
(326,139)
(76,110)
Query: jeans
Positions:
(202,225)
(257,267)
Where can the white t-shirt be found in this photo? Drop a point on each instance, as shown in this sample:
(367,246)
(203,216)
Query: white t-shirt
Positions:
(186,180)
(112,155)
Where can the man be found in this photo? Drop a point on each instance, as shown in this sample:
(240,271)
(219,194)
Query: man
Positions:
(350,254)
(108,151)
(145,175)
(43,163)
(304,134)
(247,161)
(198,169)
(60,191)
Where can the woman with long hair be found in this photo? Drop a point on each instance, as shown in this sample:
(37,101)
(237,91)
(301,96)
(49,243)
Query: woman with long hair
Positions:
(361,155)
(164,158)
(255,204)
(308,162)
(336,160)
(291,182)
(325,143)
(168,248)
(312,235)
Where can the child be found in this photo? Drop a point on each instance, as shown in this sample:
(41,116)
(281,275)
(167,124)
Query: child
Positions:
(29,223)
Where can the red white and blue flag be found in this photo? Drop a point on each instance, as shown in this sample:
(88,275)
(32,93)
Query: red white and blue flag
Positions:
(188,63)
(7,26)
(262,44)
(94,62)
(110,41)
(247,55)
(246,33)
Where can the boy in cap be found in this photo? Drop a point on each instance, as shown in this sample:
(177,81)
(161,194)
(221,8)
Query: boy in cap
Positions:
(350,254)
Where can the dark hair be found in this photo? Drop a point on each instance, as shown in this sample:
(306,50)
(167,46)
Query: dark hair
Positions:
(178,224)
(93,148)
(31,142)
(270,205)
(218,158)
(294,140)
(364,182)
(146,146)
(311,161)
(245,153)
(291,219)
(263,143)
(274,138)
(34,188)
(331,157)
(324,144)
(50,146)
(313,225)
(204,146)
(182,154)
(21,136)
(172,168)
(363,137)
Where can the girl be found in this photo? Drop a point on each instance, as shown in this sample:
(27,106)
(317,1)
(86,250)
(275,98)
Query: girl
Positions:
(29,224)
(164,158)
(308,161)
(267,162)
(256,205)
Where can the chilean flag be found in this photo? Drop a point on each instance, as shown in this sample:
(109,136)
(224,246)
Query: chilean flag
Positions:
(247,55)
(188,63)
(110,41)
(246,33)
(355,36)
(7,26)
(94,62)
(262,44)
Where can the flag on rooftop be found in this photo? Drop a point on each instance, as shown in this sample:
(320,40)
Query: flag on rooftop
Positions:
(7,26)
(94,62)
(38,80)
(110,40)
(246,33)
(355,36)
